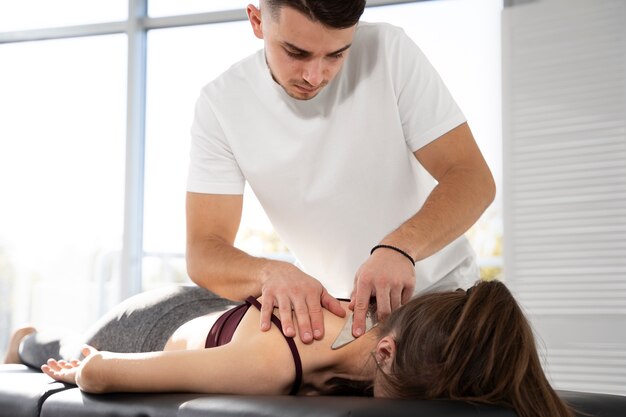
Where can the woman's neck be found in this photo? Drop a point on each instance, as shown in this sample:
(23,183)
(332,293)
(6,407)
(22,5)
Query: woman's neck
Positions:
(322,364)
(353,362)
(356,357)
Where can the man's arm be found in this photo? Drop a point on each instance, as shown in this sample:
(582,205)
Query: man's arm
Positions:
(465,189)
(212,260)
(214,263)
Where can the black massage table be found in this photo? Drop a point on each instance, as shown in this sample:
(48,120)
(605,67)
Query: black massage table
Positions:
(27,393)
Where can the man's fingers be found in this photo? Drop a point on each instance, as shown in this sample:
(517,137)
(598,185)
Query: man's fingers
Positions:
(407,293)
(358,321)
(352,300)
(317,318)
(383,304)
(284,307)
(361,304)
(333,305)
(304,315)
(286,318)
(300,301)
(267,308)
(396,298)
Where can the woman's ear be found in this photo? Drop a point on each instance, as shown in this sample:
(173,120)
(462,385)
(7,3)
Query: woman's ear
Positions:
(254,16)
(386,353)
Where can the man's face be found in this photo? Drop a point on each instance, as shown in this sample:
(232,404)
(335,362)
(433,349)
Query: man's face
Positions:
(303,56)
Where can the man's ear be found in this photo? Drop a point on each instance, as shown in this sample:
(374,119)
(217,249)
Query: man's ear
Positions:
(386,353)
(254,16)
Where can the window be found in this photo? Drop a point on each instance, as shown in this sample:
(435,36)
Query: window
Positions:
(175,77)
(36,14)
(62,169)
(158,8)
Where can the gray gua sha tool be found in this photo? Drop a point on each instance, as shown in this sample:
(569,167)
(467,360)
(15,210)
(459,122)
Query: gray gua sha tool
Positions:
(345,335)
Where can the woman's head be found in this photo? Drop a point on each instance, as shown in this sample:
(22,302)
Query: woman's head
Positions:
(474,346)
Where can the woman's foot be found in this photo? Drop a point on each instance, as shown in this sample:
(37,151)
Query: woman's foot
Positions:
(14,344)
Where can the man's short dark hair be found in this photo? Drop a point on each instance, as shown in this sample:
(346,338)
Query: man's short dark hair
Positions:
(336,14)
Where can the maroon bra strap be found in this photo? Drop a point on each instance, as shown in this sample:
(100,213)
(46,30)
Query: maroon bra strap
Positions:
(224,327)
(292,346)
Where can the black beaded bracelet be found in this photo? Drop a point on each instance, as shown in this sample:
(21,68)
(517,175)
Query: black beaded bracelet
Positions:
(396,249)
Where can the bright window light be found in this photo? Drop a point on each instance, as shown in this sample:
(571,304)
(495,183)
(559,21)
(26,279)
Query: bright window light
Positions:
(158,8)
(36,14)
(62,163)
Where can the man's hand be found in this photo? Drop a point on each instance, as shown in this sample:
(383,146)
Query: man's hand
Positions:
(387,275)
(291,290)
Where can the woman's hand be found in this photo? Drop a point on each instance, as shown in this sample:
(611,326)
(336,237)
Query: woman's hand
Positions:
(68,372)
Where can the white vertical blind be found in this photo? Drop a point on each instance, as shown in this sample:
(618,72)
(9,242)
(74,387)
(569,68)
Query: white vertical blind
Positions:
(564,108)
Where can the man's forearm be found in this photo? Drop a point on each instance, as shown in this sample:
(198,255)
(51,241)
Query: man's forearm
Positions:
(453,206)
(224,269)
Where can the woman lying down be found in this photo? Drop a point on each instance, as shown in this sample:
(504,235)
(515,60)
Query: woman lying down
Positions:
(474,346)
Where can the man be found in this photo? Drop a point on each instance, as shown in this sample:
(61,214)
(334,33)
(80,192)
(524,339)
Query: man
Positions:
(353,146)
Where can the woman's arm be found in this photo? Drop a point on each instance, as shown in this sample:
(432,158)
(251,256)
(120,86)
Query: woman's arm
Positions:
(260,364)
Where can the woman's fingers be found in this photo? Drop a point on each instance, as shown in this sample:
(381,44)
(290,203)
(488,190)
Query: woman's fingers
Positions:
(53,365)
(61,370)
(88,350)
(65,364)
(56,366)
(46,370)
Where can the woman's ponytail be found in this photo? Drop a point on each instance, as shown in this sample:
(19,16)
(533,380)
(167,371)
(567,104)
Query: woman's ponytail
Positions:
(473,346)
(488,350)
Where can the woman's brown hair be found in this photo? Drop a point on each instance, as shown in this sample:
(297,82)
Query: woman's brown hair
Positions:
(474,346)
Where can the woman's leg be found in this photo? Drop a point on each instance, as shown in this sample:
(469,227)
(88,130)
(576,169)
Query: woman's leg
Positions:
(39,346)
(14,344)
(142,323)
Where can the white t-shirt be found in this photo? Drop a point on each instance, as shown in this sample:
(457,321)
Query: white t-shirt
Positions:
(335,174)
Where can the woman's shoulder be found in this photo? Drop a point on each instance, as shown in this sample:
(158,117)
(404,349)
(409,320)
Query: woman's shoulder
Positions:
(312,354)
